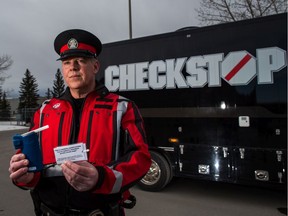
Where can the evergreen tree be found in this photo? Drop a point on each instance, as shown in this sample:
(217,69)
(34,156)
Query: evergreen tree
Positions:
(5,108)
(48,94)
(1,93)
(59,86)
(28,94)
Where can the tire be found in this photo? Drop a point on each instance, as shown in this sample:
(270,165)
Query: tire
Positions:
(159,174)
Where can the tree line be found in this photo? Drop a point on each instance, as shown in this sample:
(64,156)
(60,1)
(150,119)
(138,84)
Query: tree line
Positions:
(29,97)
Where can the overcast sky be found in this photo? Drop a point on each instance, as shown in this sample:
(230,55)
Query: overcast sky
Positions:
(29,27)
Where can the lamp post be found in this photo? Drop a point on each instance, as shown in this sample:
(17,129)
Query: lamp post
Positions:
(130,20)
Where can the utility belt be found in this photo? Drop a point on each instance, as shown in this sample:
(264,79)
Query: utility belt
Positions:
(114,210)
(111,209)
(52,170)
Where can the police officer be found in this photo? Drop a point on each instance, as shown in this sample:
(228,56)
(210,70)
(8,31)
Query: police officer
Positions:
(110,126)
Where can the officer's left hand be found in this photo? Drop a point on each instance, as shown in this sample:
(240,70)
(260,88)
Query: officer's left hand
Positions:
(81,175)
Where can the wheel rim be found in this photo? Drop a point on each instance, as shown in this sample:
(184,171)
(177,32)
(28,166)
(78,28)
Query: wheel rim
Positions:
(153,175)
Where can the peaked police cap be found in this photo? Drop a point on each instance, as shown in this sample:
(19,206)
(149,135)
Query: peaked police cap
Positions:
(77,43)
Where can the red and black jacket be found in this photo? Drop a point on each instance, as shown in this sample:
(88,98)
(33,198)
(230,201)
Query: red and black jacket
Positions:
(113,130)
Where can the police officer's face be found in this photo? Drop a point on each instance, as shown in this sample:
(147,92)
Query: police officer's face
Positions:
(79,72)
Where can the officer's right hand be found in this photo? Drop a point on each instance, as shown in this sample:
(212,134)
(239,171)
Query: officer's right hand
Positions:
(19,169)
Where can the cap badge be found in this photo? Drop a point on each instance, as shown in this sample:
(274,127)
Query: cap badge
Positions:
(72,44)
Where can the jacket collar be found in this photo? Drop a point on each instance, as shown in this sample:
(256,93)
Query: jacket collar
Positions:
(100,89)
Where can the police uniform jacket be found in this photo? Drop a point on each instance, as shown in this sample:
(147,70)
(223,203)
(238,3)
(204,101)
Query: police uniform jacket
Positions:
(112,128)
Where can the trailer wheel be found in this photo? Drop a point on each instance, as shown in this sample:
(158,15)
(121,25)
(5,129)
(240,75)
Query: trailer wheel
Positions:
(158,176)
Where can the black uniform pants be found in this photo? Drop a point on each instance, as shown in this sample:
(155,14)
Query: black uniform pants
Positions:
(114,210)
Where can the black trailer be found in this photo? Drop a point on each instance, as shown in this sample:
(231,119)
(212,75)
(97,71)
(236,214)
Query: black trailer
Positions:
(213,99)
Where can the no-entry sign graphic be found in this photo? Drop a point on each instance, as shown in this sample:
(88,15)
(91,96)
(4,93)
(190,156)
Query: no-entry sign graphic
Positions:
(238,68)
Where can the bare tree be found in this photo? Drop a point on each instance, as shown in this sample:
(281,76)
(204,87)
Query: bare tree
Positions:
(5,63)
(221,11)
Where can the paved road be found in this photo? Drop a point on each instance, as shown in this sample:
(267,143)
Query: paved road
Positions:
(183,197)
